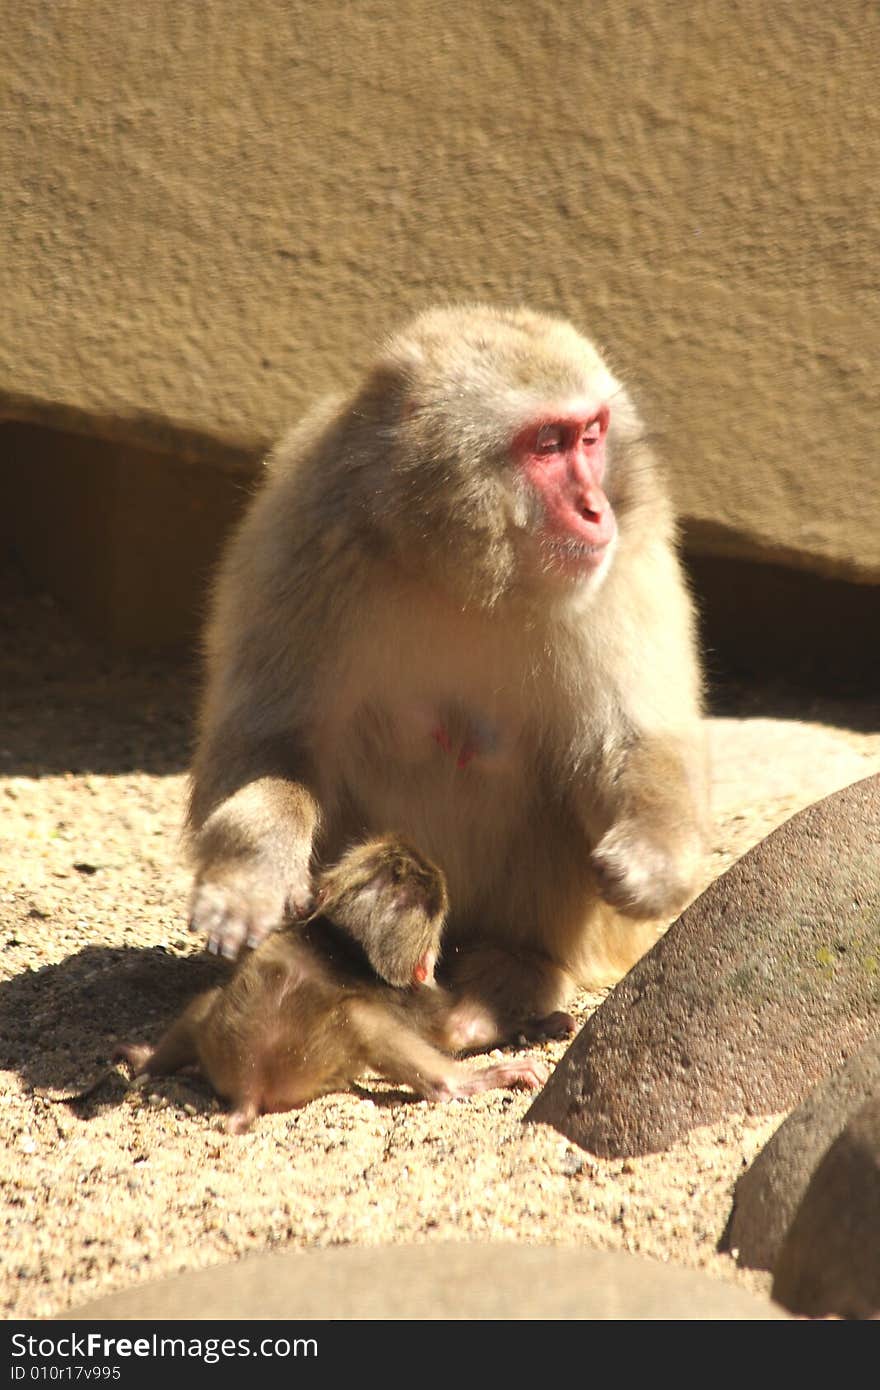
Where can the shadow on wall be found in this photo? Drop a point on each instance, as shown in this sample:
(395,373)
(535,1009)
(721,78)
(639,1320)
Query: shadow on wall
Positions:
(763,622)
(126,540)
(125,537)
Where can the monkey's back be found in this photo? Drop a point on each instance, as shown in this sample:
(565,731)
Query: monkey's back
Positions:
(281,1032)
(278,1034)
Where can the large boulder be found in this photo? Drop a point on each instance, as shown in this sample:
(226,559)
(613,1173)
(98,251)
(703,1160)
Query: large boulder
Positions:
(464,1281)
(758,991)
(829,1263)
(768,1195)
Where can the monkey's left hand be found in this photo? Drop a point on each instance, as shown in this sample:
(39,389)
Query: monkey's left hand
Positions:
(642,874)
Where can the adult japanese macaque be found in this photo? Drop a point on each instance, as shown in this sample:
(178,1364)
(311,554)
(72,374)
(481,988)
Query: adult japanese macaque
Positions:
(455,612)
(320,1003)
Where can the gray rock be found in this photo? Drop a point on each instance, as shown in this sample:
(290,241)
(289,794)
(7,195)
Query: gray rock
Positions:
(830,1259)
(768,1195)
(461,1281)
(760,989)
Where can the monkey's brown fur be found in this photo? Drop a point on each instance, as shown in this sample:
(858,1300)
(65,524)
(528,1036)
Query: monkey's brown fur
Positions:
(392,901)
(413,632)
(307,1013)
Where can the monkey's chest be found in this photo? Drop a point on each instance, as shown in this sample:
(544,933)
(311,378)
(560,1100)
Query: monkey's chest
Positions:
(435,769)
(457,743)
(447,774)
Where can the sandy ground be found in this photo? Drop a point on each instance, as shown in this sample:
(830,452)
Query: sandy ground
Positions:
(127,1185)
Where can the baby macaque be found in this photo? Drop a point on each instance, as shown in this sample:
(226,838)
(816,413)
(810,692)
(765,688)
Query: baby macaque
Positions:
(321,1002)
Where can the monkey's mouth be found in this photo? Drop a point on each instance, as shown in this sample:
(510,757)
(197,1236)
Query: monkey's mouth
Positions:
(574,558)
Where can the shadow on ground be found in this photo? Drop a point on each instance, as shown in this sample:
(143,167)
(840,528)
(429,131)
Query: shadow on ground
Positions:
(70,705)
(59,1025)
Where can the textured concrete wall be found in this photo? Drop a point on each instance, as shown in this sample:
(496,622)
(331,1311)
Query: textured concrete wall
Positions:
(210,212)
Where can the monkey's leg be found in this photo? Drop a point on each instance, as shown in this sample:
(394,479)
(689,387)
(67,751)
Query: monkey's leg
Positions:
(650,816)
(252,852)
(177,1046)
(240,1120)
(500,996)
(401,1054)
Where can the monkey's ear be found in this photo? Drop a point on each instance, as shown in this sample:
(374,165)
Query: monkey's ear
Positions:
(398,372)
(385,397)
(405,352)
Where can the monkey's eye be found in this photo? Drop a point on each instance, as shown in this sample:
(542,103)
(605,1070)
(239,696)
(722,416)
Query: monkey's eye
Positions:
(592,432)
(550,439)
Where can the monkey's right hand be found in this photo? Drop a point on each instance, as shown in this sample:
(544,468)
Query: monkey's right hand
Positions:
(240,907)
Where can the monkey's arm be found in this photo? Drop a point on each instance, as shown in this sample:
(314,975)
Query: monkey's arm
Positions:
(254,808)
(643,791)
(251,837)
(399,1053)
(648,825)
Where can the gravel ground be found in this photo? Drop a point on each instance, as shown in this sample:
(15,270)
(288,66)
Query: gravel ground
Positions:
(104,1185)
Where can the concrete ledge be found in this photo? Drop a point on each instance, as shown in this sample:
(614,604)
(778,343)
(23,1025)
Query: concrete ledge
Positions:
(435,1282)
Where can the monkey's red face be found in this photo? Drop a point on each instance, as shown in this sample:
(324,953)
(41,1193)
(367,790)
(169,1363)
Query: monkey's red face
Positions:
(562,459)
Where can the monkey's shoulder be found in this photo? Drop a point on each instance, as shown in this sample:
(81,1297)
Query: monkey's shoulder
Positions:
(311,957)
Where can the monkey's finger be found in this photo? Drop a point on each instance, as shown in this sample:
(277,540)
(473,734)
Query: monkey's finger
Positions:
(229,940)
(527,1075)
(232,919)
(532,1076)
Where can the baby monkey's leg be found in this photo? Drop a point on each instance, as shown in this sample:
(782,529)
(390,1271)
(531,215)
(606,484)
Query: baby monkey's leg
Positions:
(177,1046)
(400,1053)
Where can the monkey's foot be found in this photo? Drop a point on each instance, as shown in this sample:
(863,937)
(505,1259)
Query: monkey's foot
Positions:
(137,1055)
(555,1026)
(471,1026)
(525,1075)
